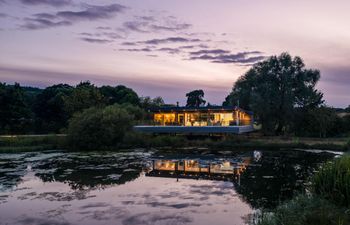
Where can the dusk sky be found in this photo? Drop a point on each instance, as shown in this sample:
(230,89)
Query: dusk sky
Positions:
(168,48)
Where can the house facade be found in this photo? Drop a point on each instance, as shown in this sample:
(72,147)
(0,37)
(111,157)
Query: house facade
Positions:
(209,119)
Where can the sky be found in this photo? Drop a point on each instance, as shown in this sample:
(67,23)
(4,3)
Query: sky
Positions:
(170,47)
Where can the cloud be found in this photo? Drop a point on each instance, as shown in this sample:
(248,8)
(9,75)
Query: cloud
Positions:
(67,18)
(92,12)
(3,15)
(38,23)
(169,40)
(95,40)
(212,51)
(109,35)
(148,24)
(173,27)
(137,26)
(56,3)
(243,58)
(103,28)
(170,50)
(137,49)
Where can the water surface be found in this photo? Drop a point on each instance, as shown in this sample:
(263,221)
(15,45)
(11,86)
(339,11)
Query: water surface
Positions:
(61,188)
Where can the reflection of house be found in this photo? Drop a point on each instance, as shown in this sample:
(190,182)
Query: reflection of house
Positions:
(209,119)
(199,169)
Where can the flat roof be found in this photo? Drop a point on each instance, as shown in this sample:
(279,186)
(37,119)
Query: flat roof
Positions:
(194,109)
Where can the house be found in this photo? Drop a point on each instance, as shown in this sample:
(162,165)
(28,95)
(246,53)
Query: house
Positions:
(193,120)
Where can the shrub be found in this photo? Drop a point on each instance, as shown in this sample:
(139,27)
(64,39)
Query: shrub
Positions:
(333,181)
(99,128)
(305,210)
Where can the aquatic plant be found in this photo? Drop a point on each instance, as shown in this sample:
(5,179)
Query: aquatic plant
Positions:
(304,210)
(333,181)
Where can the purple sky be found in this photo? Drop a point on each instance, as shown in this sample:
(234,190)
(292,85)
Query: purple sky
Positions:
(167,48)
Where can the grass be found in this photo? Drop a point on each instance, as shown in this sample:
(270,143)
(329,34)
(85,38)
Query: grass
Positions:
(135,140)
(305,210)
(333,181)
(327,204)
(24,143)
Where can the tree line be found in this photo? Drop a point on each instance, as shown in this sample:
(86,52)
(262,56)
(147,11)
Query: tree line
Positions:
(280,91)
(27,110)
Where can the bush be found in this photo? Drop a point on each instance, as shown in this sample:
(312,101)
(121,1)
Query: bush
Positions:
(99,128)
(305,210)
(333,181)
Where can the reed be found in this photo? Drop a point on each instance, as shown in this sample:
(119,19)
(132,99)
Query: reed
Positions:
(333,181)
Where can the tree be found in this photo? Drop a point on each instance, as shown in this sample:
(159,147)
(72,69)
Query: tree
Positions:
(148,102)
(195,98)
(15,115)
(84,95)
(99,128)
(119,94)
(274,89)
(49,108)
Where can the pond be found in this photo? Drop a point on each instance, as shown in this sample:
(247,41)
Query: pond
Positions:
(149,186)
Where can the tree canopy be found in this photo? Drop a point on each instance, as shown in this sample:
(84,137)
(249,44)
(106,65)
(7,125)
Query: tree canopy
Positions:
(274,89)
(14,112)
(195,98)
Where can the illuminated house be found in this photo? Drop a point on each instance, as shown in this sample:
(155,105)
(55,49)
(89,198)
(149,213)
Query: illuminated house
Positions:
(209,119)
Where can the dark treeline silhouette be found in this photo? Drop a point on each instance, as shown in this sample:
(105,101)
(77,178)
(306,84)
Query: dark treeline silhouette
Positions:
(283,96)
(280,91)
(27,110)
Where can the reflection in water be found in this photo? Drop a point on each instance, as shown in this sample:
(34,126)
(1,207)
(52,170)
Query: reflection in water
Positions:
(141,187)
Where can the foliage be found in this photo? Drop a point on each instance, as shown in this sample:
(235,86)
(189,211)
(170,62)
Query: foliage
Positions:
(15,115)
(119,94)
(49,108)
(320,122)
(31,143)
(148,102)
(84,96)
(274,88)
(305,210)
(99,128)
(333,181)
(195,98)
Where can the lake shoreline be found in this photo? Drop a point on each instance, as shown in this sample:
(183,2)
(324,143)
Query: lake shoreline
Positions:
(27,143)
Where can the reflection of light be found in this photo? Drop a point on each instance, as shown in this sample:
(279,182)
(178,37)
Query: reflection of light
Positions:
(257,155)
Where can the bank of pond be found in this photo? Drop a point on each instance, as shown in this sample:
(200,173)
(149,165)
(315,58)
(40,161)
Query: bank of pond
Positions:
(23,143)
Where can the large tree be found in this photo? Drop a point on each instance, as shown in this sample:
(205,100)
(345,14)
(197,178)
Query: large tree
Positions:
(15,115)
(49,108)
(195,98)
(119,94)
(84,96)
(274,89)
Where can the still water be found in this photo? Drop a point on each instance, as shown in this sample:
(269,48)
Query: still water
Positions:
(149,186)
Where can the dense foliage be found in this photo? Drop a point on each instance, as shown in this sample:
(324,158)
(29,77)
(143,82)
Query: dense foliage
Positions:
(99,128)
(275,89)
(333,181)
(15,115)
(27,110)
(328,202)
(305,210)
(195,98)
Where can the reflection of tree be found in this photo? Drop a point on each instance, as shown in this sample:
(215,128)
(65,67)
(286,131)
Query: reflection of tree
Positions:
(277,177)
(11,173)
(90,171)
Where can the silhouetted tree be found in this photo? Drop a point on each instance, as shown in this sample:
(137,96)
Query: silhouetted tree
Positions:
(84,95)
(274,88)
(195,98)
(119,94)
(15,115)
(99,128)
(49,108)
(147,102)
